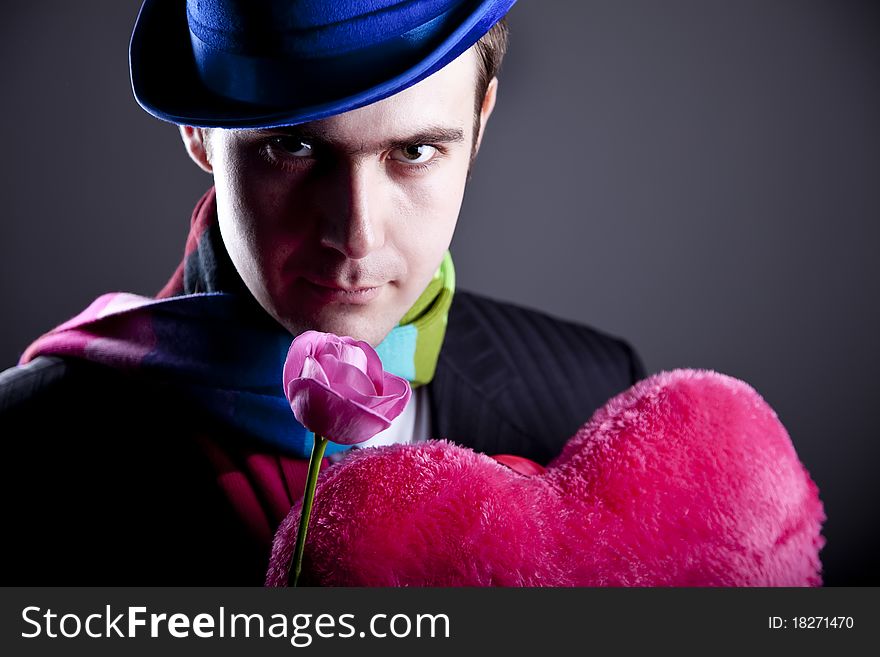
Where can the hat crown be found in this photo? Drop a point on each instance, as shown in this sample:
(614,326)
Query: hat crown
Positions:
(308,28)
(267,63)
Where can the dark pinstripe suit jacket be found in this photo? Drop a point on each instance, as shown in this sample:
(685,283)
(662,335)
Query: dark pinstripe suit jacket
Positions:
(509,380)
(516,381)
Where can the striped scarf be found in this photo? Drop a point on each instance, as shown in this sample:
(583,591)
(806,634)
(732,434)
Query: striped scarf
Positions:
(206,337)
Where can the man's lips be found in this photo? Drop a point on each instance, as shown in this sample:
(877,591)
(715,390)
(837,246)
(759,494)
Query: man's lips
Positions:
(331,292)
(342,287)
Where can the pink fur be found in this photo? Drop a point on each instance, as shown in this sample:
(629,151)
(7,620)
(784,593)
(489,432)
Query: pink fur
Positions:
(686,479)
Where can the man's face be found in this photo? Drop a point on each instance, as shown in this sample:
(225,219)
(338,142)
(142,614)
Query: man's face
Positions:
(338,225)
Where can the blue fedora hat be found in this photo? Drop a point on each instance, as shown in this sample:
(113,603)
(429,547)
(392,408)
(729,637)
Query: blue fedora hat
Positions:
(267,63)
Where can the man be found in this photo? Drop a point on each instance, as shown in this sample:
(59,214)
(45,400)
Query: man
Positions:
(151,439)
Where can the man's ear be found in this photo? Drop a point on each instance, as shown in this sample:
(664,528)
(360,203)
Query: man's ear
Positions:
(195,140)
(486,109)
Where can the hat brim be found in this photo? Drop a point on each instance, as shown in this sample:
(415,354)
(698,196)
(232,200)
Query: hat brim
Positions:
(167,84)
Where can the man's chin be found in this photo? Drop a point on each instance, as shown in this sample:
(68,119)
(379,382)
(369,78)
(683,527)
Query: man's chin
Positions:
(358,326)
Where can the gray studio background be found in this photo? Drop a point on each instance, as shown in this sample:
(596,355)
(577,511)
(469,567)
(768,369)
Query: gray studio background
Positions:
(699,177)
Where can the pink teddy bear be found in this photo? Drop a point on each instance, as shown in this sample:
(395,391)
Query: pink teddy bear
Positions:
(686,479)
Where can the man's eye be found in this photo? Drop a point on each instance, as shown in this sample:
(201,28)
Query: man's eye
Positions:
(415,154)
(292,146)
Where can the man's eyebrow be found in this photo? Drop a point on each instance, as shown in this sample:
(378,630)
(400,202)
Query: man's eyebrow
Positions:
(319,138)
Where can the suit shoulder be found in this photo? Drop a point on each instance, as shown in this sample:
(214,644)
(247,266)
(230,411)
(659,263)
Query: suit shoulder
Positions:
(522,330)
(21,383)
(28,389)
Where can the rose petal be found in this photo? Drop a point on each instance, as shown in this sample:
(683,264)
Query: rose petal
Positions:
(307,343)
(324,412)
(341,372)
(351,376)
(394,385)
(328,362)
(391,406)
(313,369)
(353,355)
(332,348)
(396,397)
(374,367)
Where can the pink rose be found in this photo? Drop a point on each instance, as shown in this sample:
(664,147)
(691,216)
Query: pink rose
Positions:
(337,388)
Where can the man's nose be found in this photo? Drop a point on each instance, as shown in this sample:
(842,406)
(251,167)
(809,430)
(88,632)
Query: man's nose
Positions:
(353,211)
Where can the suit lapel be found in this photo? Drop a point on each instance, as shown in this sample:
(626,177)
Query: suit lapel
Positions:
(472,384)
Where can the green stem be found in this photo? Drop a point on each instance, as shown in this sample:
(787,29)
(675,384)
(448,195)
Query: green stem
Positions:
(314,467)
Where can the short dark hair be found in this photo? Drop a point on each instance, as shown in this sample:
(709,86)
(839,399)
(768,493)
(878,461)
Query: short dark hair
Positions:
(490,51)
